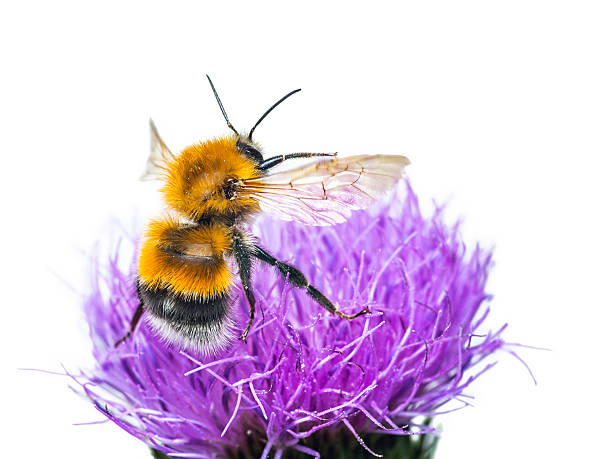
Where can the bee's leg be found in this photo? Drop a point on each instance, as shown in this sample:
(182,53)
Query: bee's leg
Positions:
(275,160)
(243,254)
(135,318)
(298,279)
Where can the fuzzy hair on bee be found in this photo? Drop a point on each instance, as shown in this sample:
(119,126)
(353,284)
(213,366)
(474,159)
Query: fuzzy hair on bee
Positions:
(192,258)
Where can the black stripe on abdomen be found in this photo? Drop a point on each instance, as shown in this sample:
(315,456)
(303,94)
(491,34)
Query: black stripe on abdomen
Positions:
(205,325)
(174,308)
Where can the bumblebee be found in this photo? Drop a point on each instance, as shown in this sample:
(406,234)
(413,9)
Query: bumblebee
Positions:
(191,258)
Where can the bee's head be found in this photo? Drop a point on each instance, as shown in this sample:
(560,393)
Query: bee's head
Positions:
(249,150)
(205,178)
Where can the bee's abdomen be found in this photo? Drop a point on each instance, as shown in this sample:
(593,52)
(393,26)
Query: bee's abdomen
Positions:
(184,283)
(203,323)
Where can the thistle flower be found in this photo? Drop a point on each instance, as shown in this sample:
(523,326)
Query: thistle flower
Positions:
(306,379)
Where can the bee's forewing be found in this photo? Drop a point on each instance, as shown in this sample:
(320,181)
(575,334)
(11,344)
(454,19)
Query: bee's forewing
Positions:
(326,192)
(159,156)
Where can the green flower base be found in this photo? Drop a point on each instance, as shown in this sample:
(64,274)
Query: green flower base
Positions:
(345,446)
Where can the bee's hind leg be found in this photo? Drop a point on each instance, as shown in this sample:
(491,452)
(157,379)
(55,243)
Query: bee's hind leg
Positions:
(297,278)
(243,254)
(135,318)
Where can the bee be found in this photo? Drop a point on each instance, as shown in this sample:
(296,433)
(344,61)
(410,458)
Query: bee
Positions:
(191,257)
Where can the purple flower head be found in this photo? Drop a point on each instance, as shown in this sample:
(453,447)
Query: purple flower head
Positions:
(305,374)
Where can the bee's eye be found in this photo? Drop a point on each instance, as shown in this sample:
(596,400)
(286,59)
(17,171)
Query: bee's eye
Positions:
(250,152)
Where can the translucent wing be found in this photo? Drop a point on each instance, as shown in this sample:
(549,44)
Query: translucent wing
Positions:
(158,158)
(326,192)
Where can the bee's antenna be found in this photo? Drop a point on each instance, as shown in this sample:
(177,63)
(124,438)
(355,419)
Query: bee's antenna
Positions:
(229,125)
(269,110)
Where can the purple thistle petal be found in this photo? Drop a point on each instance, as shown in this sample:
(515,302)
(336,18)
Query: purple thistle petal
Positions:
(303,371)
(359,439)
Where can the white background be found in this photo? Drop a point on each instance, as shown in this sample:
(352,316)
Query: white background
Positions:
(505,109)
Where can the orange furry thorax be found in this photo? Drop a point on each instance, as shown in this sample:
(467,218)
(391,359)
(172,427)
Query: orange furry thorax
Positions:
(195,180)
